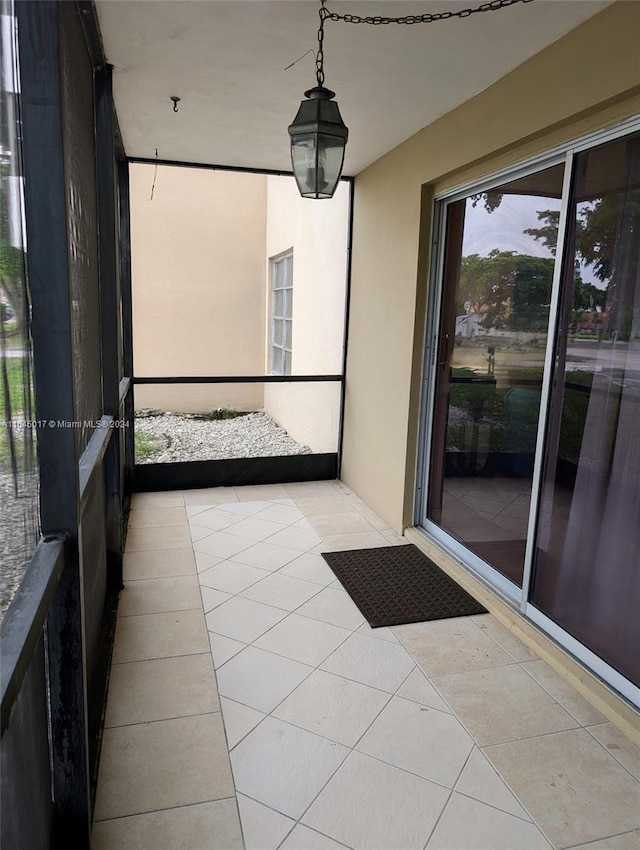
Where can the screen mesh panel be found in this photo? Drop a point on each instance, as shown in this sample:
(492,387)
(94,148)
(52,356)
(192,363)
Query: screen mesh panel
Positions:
(79,156)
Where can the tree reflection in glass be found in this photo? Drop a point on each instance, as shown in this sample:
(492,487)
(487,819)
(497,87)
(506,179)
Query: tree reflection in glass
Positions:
(495,311)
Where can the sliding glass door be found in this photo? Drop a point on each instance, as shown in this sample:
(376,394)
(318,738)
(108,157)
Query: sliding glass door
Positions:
(532,441)
(492,339)
(587,559)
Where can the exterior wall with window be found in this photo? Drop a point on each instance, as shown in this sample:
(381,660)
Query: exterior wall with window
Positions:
(585,81)
(235,274)
(199,299)
(315,234)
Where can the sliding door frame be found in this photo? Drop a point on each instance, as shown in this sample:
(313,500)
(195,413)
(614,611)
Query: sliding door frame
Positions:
(510,591)
(517,597)
(547,375)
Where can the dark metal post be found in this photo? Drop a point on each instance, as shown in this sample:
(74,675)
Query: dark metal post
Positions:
(46,215)
(347,313)
(127,321)
(107,236)
(109,315)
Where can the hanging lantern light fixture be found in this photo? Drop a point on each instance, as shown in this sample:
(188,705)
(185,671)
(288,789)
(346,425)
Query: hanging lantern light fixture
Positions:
(318,134)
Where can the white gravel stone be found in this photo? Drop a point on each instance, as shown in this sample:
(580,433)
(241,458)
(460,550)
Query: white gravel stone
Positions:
(182,438)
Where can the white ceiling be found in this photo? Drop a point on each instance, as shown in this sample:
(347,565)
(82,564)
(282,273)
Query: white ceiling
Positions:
(225,59)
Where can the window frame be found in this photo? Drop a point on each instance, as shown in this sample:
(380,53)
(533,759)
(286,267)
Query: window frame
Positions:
(281,275)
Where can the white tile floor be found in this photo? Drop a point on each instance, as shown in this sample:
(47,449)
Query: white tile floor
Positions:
(448,735)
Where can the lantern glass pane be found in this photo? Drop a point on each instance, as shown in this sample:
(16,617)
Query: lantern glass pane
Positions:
(317,163)
(303,160)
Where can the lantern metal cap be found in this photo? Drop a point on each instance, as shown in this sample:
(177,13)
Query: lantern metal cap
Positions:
(319,114)
(319,93)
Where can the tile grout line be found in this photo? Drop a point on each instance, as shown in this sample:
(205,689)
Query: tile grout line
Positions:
(473,738)
(218,712)
(253,543)
(164,720)
(253,584)
(317,832)
(153,578)
(152,613)
(240,740)
(338,675)
(224,725)
(497,808)
(451,790)
(290,611)
(161,658)
(318,666)
(497,743)
(288,657)
(500,666)
(497,642)
(543,735)
(596,841)
(353,749)
(520,664)
(608,751)
(266,539)
(557,700)
(166,809)
(350,747)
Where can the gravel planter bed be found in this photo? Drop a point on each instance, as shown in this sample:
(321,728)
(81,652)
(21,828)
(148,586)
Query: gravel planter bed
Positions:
(174,437)
(18,538)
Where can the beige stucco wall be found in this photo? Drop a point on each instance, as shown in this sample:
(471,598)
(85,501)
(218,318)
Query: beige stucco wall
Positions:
(317,232)
(198,269)
(586,80)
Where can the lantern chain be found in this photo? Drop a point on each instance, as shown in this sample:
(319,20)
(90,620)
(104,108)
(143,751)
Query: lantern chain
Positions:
(324,14)
(427,18)
(407,20)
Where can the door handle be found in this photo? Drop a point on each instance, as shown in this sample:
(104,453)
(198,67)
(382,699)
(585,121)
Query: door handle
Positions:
(445,350)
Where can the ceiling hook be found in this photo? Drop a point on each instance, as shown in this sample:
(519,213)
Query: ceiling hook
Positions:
(175,100)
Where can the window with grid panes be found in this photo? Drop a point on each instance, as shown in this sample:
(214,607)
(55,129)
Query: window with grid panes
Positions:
(281,313)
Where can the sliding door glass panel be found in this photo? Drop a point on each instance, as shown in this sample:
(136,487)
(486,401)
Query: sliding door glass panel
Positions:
(587,563)
(498,272)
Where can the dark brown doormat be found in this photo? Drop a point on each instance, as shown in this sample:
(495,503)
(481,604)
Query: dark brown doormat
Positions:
(398,584)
